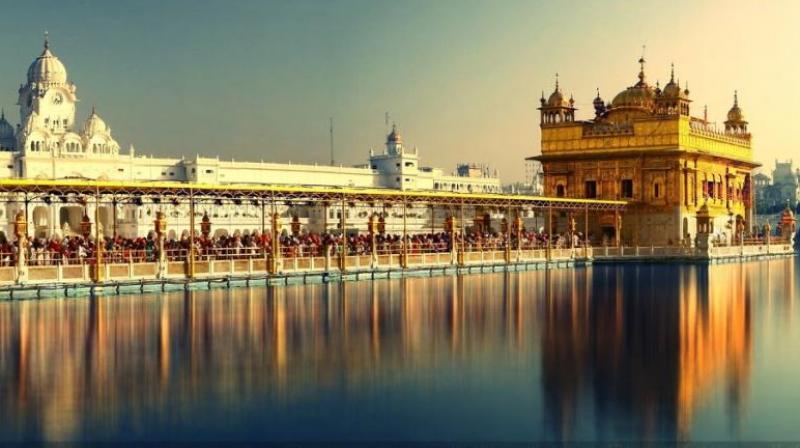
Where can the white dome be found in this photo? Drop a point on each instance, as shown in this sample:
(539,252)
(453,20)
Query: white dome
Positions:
(47,68)
(94,125)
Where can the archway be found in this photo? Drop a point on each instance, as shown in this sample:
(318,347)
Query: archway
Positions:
(69,220)
(41,221)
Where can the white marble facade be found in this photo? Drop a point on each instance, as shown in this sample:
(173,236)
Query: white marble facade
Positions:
(49,144)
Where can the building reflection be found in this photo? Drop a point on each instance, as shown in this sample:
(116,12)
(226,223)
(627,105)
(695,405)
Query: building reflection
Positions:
(636,354)
(613,344)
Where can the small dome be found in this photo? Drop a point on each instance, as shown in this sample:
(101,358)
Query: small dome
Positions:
(557,100)
(6,130)
(735,114)
(598,101)
(672,89)
(94,125)
(394,136)
(47,68)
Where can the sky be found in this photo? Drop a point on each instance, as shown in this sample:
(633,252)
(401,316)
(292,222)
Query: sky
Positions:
(259,80)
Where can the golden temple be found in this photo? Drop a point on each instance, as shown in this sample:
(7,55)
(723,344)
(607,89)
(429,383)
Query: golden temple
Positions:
(646,148)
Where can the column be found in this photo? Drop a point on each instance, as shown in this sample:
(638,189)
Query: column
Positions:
(21,231)
(548,252)
(460,254)
(586,232)
(509,223)
(276,241)
(97,274)
(160,225)
(406,242)
(190,251)
(343,245)
(372,240)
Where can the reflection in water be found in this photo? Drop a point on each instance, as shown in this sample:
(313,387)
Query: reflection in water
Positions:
(645,350)
(619,352)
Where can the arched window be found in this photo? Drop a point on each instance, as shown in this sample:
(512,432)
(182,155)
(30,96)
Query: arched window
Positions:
(656,190)
(560,191)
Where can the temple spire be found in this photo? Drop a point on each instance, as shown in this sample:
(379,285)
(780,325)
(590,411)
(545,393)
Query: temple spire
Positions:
(641,65)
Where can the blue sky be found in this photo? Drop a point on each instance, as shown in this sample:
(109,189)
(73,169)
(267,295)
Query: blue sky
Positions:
(255,80)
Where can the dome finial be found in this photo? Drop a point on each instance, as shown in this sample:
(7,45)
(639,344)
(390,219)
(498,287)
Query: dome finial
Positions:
(556,81)
(641,65)
(46,40)
(2,114)
(735,98)
(671,72)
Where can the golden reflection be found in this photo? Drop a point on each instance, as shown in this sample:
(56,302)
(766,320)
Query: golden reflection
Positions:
(646,344)
(645,350)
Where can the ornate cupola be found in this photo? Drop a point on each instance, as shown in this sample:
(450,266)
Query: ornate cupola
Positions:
(599,105)
(673,100)
(736,124)
(556,109)
(394,142)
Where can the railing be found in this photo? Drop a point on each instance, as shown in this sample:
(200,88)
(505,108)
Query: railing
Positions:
(128,264)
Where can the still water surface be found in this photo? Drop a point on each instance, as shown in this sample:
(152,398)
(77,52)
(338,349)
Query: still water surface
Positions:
(606,353)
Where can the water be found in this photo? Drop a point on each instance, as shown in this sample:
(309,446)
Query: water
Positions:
(617,353)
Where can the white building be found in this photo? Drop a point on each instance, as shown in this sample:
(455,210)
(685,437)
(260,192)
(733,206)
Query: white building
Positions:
(49,144)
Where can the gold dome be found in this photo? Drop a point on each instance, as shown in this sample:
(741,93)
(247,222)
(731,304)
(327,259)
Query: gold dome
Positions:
(556,98)
(673,88)
(635,96)
(735,114)
(640,95)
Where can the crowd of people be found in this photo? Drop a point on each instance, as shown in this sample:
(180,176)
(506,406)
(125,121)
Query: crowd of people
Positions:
(75,249)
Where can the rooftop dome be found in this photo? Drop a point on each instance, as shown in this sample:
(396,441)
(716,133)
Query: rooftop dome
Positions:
(672,89)
(94,124)
(640,95)
(556,98)
(47,68)
(735,114)
(635,96)
(394,136)
(6,130)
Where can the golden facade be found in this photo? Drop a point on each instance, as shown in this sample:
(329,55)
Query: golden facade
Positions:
(646,148)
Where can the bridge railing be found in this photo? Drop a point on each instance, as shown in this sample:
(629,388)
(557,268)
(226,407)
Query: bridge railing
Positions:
(47,267)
